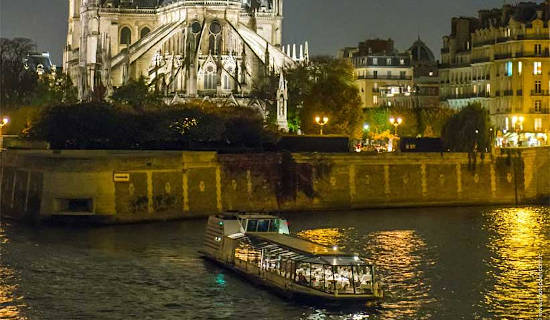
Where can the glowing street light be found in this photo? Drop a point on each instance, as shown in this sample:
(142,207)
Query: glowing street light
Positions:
(396,122)
(321,121)
(4,122)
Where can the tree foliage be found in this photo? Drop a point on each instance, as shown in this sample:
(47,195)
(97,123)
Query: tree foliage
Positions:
(424,122)
(325,87)
(179,127)
(468,130)
(136,94)
(17,85)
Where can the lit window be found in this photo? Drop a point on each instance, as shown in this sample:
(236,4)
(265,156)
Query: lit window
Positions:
(507,123)
(538,124)
(375,100)
(375,61)
(402,61)
(488,88)
(388,61)
(520,67)
(537,70)
(509,68)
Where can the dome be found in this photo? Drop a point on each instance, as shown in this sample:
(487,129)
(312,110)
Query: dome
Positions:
(420,52)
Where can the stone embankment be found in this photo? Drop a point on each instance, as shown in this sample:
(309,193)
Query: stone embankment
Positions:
(128,186)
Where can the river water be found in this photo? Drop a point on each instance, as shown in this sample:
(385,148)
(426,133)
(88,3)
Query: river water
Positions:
(437,263)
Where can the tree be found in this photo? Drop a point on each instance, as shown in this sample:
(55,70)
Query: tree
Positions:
(468,130)
(335,95)
(17,84)
(136,94)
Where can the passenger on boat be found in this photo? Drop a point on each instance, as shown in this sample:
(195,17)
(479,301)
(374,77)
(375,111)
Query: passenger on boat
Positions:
(302,279)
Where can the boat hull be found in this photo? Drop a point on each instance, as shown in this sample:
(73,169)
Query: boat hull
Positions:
(295,292)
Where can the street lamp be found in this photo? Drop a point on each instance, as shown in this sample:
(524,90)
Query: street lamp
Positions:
(396,122)
(321,121)
(4,122)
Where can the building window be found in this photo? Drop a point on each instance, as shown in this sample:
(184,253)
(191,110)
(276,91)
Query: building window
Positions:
(538,124)
(389,74)
(507,124)
(509,68)
(125,36)
(402,74)
(145,31)
(402,61)
(388,61)
(538,105)
(538,49)
(375,74)
(538,86)
(537,70)
(520,67)
(375,100)
(488,88)
(375,61)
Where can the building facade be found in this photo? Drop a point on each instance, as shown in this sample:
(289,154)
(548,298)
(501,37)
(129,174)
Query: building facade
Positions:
(386,77)
(186,48)
(501,59)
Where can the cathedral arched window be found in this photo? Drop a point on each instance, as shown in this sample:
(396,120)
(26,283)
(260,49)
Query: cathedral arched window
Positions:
(125,36)
(215,39)
(145,31)
(210,78)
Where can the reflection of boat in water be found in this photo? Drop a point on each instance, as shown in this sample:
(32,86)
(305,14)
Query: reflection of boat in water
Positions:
(260,248)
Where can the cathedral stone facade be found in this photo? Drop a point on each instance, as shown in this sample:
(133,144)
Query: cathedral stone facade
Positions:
(186,48)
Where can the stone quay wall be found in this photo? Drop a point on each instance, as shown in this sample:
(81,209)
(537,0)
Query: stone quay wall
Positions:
(131,186)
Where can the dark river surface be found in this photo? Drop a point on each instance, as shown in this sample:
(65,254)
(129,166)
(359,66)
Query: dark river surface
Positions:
(437,263)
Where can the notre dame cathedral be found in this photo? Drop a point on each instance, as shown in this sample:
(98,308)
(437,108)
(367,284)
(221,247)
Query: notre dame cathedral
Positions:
(186,48)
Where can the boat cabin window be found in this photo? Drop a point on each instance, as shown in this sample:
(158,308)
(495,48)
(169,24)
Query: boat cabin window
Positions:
(262,225)
(252,224)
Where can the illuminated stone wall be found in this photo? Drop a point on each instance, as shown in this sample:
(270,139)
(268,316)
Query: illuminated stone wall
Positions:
(168,185)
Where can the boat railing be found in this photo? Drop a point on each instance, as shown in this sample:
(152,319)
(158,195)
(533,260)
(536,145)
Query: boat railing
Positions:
(352,279)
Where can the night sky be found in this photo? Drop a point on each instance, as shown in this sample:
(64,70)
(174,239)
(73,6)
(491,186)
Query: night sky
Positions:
(327,24)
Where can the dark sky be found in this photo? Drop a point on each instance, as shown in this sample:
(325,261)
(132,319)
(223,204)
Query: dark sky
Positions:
(327,24)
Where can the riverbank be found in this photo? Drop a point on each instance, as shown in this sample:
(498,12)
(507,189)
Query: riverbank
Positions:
(134,186)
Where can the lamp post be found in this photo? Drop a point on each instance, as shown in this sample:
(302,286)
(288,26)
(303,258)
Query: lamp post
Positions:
(321,121)
(4,122)
(396,122)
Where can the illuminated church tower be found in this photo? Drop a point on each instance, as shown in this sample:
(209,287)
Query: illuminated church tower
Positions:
(184,48)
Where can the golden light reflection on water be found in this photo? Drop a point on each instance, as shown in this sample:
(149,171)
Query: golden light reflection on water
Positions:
(400,257)
(519,242)
(10,305)
(327,236)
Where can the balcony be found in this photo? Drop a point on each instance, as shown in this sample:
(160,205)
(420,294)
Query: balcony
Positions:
(384,77)
(540,111)
(533,54)
(481,60)
(540,93)
(541,36)
(503,56)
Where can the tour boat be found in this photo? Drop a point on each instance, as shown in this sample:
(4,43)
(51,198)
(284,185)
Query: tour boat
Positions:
(260,248)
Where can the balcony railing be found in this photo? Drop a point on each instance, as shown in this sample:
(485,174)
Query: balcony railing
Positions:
(481,60)
(540,110)
(540,93)
(543,54)
(385,77)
